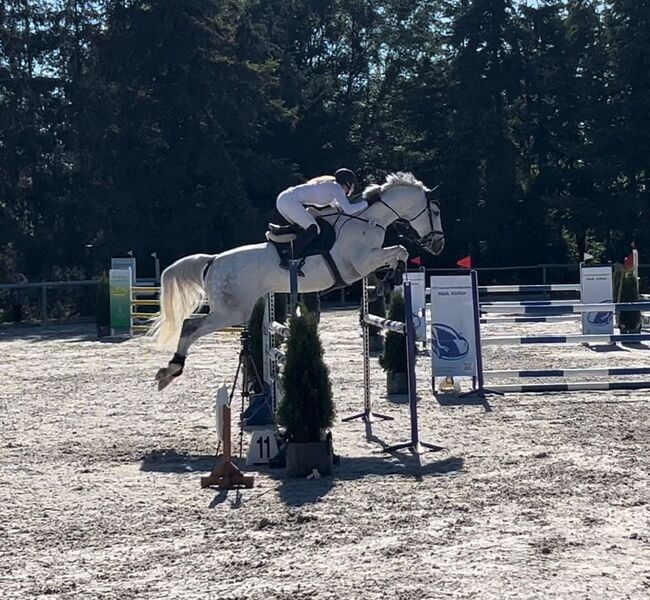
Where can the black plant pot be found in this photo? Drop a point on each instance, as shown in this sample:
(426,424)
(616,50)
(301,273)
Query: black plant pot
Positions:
(397,383)
(304,457)
(103,331)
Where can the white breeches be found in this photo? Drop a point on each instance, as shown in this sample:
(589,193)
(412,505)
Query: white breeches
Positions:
(294,212)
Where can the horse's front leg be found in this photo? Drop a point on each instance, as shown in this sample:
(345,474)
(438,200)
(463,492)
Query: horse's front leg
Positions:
(393,257)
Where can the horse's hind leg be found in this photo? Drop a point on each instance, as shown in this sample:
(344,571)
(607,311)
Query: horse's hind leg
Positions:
(193,328)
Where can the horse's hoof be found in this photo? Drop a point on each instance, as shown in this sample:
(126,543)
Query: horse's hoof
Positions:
(398,278)
(379,291)
(163,383)
(164,377)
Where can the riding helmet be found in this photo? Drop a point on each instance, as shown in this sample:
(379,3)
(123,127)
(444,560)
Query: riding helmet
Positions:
(346,177)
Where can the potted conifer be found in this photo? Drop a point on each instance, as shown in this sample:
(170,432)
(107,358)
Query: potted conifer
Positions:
(312,302)
(629,321)
(393,360)
(103,307)
(307,409)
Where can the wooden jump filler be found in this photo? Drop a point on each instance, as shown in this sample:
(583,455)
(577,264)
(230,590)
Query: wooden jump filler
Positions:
(226,475)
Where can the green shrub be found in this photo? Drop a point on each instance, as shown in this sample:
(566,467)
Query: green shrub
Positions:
(307,408)
(312,303)
(629,321)
(394,357)
(256,339)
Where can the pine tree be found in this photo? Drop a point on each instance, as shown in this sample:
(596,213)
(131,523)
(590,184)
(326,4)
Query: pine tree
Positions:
(307,408)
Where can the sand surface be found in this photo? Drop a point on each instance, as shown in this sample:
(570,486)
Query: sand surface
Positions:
(534,496)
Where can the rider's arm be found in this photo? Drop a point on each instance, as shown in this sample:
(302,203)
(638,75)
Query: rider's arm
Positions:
(341,200)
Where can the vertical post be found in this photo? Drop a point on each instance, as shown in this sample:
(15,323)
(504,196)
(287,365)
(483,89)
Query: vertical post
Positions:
(367,415)
(414,445)
(154,255)
(44,305)
(481,391)
(477,329)
(409,339)
(293,286)
(365,336)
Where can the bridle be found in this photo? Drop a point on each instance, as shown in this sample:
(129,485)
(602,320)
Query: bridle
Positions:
(406,226)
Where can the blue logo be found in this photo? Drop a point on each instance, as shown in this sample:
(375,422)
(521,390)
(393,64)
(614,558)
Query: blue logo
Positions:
(448,344)
(600,318)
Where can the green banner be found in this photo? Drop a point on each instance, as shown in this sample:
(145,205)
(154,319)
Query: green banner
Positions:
(120,286)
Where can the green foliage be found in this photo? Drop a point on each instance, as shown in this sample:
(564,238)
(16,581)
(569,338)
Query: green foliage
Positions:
(256,340)
(307,409)
(312,304)
(629,321)
(394,357)
(158,125)
(103,304)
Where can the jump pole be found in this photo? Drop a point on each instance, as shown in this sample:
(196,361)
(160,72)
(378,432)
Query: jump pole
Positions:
(367,415)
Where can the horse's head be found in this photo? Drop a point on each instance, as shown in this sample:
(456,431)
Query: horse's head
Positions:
(415,207)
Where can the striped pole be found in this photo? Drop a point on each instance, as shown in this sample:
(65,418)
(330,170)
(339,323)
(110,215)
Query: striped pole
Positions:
(552,319)
(506,340)
(595,372)
(568,308)
(574,387)
(533,303)
(528,289)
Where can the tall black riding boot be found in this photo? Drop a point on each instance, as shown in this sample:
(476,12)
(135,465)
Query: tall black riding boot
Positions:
(304,239)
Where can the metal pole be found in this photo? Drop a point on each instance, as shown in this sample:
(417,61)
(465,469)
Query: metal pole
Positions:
(410,365)
(44,305)
(293,286)
(415,445)
(367,415)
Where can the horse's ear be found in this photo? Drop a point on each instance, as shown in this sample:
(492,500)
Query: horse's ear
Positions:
(432,196)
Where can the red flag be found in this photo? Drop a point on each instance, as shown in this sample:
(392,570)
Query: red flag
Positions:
(465,263)
(416,260)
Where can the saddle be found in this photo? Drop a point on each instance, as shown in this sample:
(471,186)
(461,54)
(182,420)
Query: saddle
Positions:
(281,237)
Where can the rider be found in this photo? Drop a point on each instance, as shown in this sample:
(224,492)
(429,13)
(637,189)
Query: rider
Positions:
(319,192)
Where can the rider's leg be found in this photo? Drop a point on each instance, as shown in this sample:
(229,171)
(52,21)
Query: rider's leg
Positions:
(294,212)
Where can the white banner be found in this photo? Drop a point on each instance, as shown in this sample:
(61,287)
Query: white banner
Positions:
(596,288)
(453,340)
(418,303)
(125,263)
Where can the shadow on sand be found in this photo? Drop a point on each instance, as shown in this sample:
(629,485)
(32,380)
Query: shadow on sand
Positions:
(65,332)
(299,492)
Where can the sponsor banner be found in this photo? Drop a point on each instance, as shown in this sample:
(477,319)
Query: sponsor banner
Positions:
(120,294)
(418,303)
(453,336)
(596,288)
(125,263)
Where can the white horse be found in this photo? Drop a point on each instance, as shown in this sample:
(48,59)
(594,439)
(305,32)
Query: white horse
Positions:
(234,280)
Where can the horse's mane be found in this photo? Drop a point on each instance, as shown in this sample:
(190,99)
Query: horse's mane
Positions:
(392,180)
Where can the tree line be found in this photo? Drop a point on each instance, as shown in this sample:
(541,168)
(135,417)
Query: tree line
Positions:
(166,126)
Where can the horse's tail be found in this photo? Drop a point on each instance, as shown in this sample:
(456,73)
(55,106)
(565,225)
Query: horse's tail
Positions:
(181,293)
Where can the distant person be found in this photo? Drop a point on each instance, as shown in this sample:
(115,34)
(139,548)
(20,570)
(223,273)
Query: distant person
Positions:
(17,297)
(319,192)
